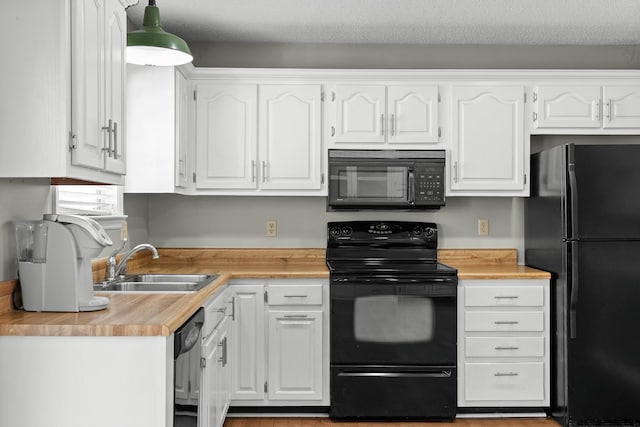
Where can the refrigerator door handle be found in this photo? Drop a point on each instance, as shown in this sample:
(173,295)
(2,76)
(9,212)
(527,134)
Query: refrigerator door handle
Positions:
(573,293)
(573,189)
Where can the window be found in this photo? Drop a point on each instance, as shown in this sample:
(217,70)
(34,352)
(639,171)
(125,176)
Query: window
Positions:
(102,202)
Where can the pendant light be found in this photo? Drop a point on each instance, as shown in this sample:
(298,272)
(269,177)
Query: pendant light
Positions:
(151,45)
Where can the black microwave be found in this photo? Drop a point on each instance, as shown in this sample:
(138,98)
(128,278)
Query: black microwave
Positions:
(386,179)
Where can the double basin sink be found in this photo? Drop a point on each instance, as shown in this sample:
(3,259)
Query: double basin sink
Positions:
(157,283)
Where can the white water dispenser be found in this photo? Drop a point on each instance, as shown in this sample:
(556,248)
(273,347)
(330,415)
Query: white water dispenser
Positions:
(54,259)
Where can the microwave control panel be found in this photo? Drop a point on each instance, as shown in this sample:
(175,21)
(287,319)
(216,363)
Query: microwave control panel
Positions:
(429,182)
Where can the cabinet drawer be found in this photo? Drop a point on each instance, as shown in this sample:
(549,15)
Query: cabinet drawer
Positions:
(504,296)
(504,381)
(294,294)
(500,321)
(504,346)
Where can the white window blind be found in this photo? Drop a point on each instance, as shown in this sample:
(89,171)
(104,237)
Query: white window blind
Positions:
(98,200)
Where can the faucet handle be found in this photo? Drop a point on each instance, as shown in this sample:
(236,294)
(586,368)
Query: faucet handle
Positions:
(110,272)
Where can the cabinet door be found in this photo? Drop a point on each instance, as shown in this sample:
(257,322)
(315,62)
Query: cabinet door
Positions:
(224,373)
(488,151)
(295,355)
(621,107)
(247,346)
(290,137)
(413,114)
(210,389)
(182,130)
(87,103)
(226,136)
(360,111)
(115,68)
(567,107)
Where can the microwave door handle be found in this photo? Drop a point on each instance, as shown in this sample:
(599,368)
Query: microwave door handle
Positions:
(412,188)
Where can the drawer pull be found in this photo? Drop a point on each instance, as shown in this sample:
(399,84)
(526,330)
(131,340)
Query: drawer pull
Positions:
(507,348)
(295,316)
(506,297)
(222,310)
(505,374)
(296,296)
(506,322)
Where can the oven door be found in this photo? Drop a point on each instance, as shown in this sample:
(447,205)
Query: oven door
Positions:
(359,184)
(394,324)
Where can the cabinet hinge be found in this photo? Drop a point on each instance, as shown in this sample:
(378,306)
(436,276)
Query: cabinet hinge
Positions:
(322,96)
(203,362)
(322,178)
(266,388)
(195,96)
(525,97)
(194,177)
(266,296)
(72,141)
(525,178)
(439,98)
(333,96)
(439,132)
(535,97)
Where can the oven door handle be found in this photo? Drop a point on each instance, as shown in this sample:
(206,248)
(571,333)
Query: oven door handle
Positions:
(438,374)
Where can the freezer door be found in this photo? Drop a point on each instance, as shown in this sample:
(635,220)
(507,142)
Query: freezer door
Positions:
(604,181)
(603,346)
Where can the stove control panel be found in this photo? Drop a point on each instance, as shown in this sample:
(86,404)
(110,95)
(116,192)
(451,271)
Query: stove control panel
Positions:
(404,233)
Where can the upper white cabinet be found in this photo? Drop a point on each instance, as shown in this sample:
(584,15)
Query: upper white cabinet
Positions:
(586,107)
(63,113)
(259,139)
(489,155)
(380,116)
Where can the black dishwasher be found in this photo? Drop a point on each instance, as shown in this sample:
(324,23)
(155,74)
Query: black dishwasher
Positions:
(187,353)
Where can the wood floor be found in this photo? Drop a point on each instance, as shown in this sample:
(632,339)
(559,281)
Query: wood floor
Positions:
(325,422)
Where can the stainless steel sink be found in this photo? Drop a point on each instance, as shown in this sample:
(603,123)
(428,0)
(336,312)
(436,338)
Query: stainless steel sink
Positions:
(160,283)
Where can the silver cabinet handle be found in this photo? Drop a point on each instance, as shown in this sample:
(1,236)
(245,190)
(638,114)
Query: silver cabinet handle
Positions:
(455,171)
(264,171)
(382,124)
(333,131)
(506,322)
(109,129)
(608,112)
(506,297)
(598,111)
(393,124)
(296,296)
(115,140)
(506,348)
(253,171)
(295,316)
(233,308)
(505,374)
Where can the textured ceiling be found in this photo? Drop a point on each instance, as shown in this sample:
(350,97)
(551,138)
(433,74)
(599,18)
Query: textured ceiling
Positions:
(528,22)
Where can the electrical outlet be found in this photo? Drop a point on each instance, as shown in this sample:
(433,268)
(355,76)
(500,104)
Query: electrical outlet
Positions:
(272,228)
(483,227)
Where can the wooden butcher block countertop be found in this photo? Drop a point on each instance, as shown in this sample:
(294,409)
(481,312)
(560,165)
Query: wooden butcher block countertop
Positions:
(145,314)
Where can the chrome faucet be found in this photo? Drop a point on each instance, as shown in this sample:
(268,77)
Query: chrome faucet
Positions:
(114,271)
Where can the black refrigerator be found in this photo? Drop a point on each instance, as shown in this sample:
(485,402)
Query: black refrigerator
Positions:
(582,224)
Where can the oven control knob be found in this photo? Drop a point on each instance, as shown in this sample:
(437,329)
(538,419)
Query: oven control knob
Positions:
(429,232)
(335,232)
(346,231)
(417,231)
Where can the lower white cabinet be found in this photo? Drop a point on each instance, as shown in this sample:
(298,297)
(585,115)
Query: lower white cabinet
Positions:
(503,343)
(280,347)
(215,391)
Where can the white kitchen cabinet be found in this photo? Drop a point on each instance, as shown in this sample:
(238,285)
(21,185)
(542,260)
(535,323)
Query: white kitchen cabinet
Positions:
(63,113)
(183,164)
(385,116)
(503,343)
(258,139)
(489,154)
(215,389)
(293,361)
(589,106)
(247,347)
